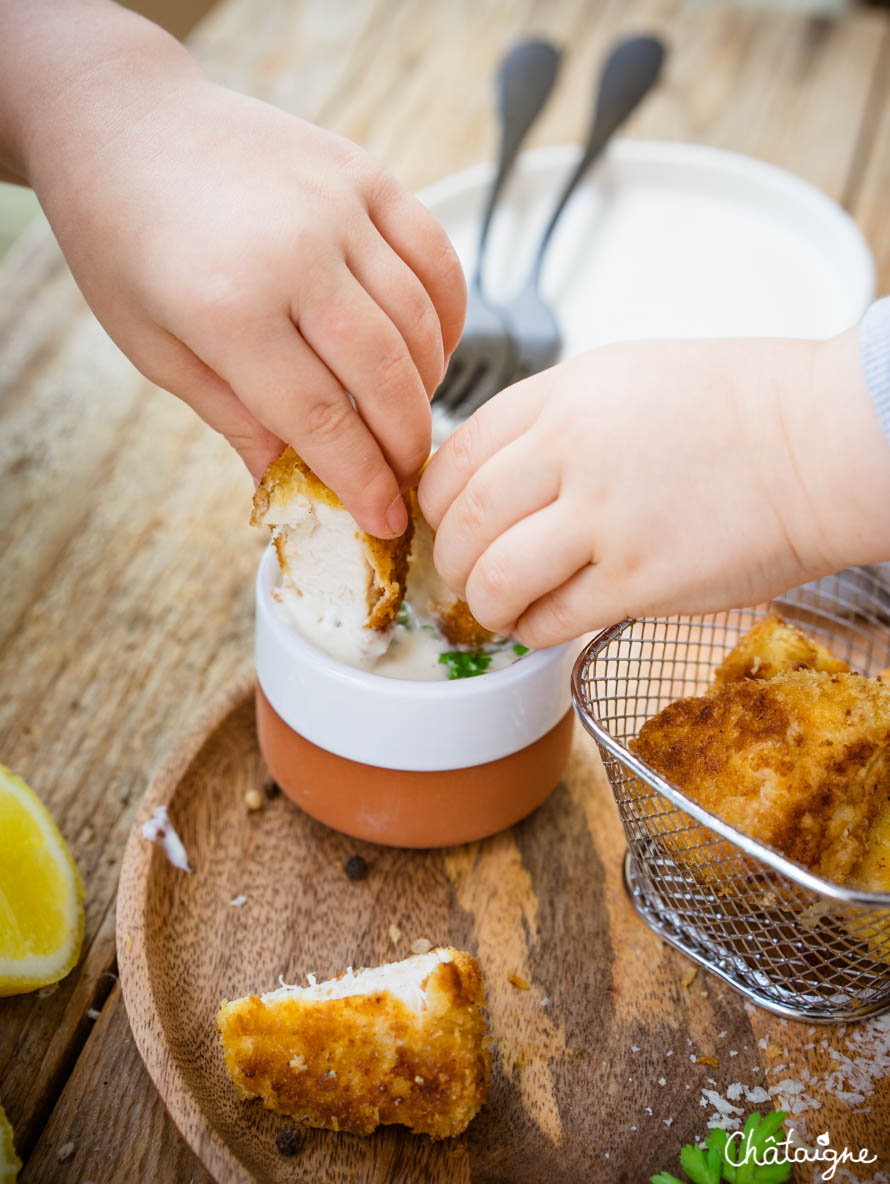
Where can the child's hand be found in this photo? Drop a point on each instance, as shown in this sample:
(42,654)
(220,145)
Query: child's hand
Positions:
(658,478)
(253,264)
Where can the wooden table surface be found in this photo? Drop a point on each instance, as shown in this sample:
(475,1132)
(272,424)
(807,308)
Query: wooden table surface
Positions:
(125,586)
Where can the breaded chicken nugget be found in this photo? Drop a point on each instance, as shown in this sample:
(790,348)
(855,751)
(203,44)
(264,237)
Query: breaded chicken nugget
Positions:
(431,594)
(872,872)
(402,1043)
(340,586)
(774,647)
(800,761)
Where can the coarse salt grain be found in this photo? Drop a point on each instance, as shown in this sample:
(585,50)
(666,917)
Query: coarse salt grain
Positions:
(787,1087)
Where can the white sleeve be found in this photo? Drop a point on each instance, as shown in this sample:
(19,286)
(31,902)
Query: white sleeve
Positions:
(874,349)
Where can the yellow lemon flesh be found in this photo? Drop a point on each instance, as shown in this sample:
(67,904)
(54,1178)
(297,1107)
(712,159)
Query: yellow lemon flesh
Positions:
(41,893)
(9,1161)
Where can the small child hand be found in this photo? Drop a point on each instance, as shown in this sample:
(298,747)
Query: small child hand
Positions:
(255,265)
(657,478)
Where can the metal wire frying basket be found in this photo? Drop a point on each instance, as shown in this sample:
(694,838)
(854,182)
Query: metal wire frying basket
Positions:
(791,941)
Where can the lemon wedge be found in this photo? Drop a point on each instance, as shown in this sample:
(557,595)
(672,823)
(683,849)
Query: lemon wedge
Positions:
(10,1164)
(41,893)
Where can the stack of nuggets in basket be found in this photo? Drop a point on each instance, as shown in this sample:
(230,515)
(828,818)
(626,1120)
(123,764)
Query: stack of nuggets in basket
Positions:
(790,747)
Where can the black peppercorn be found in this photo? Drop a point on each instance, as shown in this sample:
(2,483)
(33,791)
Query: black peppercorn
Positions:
(288,1142)
(355,867)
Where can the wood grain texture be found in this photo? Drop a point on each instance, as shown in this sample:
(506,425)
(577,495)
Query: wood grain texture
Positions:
(113,1117)
(564,1048)
(871,181)
(125,591)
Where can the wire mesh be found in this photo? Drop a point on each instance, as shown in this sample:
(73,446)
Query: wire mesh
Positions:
(791,941)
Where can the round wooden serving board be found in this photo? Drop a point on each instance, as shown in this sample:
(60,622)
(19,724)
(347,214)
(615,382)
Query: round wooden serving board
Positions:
(594,1076)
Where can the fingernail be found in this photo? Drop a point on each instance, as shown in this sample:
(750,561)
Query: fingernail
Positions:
(397,516)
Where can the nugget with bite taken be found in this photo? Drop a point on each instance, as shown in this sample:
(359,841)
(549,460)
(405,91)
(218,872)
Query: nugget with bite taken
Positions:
(401,1043)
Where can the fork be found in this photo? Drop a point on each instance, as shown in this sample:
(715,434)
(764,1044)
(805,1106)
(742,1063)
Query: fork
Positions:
(629,73)
(485,354)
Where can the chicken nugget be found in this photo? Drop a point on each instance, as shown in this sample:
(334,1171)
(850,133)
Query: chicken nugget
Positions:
(774,647)
(431,594)
(401,1043)
(340,586)
(800,761)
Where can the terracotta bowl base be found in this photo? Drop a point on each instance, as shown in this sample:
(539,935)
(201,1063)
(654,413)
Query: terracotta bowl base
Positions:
(399,808)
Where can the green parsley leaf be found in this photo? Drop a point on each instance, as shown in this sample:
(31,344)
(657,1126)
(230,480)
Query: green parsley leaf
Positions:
(699,1168)
(520,649)
(465,665)
(762,1134)
(402,616)
(714,1163)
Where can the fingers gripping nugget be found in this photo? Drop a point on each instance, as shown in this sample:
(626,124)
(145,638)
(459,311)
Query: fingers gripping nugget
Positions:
(431,594)
(340,586)
(402,1043)
(800,761)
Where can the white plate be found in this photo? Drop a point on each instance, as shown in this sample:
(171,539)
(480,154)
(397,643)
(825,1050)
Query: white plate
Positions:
(668,240)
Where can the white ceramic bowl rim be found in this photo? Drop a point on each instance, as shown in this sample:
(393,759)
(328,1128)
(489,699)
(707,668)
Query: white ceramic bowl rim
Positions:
(401,723)
(479,686)
(794,193)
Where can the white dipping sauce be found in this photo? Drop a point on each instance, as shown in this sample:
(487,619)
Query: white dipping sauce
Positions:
(414,654)
(415,646)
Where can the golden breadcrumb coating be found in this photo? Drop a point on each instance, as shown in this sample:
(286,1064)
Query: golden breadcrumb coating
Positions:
(285,479)
(872,872)
(356,1062)
(460,627)
(429,591)
(289,477)
(774,647)
(800,761)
